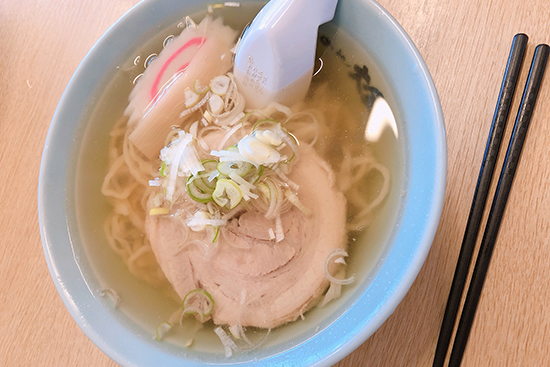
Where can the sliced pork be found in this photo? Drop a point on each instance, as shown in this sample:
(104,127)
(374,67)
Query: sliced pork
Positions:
(253,279)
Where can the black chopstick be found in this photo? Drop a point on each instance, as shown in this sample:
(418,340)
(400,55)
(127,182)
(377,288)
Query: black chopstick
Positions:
(496,133)
(528,100)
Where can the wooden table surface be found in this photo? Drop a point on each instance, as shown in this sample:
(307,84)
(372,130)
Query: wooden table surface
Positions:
(465,45)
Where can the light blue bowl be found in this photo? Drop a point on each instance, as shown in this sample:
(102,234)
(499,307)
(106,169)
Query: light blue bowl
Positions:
(70,235)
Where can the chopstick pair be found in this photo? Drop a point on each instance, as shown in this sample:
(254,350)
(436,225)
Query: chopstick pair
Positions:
(530,94)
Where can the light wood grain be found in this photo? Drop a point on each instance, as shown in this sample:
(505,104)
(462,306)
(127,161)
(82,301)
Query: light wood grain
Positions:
(465,45)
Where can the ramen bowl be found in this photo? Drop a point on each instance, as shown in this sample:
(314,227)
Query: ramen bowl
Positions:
(72,210)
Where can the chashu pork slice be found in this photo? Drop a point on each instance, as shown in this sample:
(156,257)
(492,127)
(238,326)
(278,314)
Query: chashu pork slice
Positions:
(253,280)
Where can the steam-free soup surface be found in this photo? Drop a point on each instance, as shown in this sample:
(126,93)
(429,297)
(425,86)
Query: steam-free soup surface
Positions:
(335,155)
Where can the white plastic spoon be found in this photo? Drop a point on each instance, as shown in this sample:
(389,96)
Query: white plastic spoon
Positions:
(275,57)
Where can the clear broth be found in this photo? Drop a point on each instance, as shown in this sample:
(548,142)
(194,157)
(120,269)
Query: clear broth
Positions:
(147,306)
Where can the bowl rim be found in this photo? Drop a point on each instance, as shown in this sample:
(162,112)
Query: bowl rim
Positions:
(69,279)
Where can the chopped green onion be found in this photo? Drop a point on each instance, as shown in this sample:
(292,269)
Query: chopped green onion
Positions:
(257,152)
(273,199)
(162,329)
(336,253)
(216,104)
(239,167)
(220,84)
(206,183)
(270,137)
(257,175)
(264,189)
(163,169)
(198,301)
(227,193)
(295,139)
(202,184)
(291,158)
(245,117)
(235,330)
(200,89)
(191,97)
(112,294)
(228,343)
(196,193)
(183,159)
(244,185)
(216,233)
(271,122)
(210,166)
